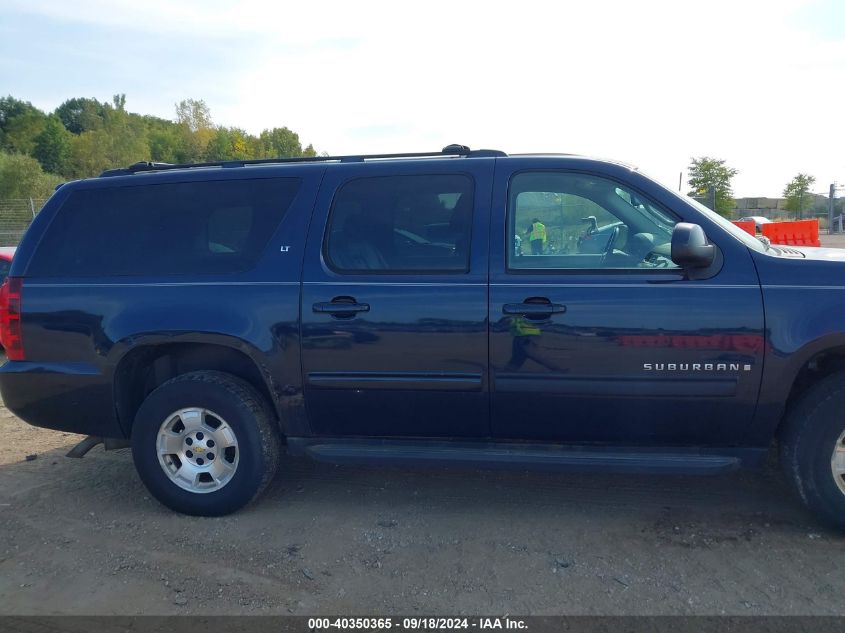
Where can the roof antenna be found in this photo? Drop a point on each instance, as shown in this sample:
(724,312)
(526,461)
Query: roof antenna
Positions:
(455,148)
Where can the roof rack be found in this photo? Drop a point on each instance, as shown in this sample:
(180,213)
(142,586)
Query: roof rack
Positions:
(454,150)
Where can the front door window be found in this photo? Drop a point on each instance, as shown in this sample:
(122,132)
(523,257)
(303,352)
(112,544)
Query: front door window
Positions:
(564,221)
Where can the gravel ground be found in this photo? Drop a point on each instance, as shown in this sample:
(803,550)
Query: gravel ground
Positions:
(837,240)
(84,537)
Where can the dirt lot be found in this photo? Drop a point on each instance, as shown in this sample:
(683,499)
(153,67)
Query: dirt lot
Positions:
(83,537)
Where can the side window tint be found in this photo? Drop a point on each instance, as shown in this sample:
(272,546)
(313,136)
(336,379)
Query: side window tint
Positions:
(560,221)
(401,224)
(228,229)
(182,228)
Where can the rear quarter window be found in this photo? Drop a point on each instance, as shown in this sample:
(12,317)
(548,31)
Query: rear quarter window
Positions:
(167,229)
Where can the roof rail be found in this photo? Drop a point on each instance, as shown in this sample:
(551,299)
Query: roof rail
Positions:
(455,150)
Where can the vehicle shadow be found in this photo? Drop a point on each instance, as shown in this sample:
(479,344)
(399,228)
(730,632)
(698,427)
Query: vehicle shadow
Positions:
(754,494)
(307,488)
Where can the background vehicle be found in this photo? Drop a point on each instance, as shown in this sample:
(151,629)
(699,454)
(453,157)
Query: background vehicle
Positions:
(295,306)
(758,220)
(6,255)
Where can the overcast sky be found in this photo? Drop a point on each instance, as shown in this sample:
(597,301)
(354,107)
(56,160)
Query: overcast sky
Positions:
(760,84)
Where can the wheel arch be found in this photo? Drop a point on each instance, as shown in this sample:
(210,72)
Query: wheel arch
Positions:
(812,363)
(143,363)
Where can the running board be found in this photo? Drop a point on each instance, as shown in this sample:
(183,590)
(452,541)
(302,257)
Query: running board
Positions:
(564,458)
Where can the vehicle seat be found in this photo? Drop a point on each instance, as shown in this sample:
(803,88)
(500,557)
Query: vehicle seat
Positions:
(353,246)
(641,244)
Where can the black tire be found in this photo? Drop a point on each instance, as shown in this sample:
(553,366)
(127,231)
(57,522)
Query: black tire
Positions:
(246,413)
(811,430)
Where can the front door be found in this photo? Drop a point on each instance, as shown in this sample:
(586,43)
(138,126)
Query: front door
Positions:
(596,335)
(394,301)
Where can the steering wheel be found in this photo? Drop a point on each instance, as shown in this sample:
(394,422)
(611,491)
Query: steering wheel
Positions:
(611,242)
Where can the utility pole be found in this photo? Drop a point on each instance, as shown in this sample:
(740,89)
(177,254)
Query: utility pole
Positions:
(831,229)
(680,180)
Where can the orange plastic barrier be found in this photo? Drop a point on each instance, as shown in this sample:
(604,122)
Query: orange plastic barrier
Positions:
(800,233)
(749,226)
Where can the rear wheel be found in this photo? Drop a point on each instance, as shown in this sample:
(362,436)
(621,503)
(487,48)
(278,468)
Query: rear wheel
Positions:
(813,448)
(204,443)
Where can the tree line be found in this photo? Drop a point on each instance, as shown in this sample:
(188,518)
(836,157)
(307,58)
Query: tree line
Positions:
(83,137)
(710,179)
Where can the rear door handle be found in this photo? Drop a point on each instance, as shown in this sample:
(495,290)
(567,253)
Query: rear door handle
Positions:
(538,309)
(340,308)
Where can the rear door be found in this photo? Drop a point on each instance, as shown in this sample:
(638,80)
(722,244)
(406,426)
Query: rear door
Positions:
(596,335)
(394,300)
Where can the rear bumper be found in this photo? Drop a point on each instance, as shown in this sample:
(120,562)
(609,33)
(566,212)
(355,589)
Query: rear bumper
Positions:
(72,397)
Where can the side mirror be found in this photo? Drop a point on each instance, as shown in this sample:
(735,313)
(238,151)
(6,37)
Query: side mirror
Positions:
(690,248)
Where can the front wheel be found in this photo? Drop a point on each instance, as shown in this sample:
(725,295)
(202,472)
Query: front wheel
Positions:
(813,448)
(204,443)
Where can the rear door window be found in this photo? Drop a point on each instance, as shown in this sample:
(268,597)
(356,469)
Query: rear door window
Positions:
(401,224)
(167,229)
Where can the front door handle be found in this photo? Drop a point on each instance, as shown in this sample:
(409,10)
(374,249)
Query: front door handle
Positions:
(341,307)
(534,308)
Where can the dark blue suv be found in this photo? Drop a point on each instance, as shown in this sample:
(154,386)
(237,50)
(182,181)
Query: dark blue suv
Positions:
(461,306)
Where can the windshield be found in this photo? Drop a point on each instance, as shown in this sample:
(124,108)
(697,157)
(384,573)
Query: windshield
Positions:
(730,227)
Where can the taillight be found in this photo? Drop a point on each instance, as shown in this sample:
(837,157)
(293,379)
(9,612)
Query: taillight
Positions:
(10,317)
